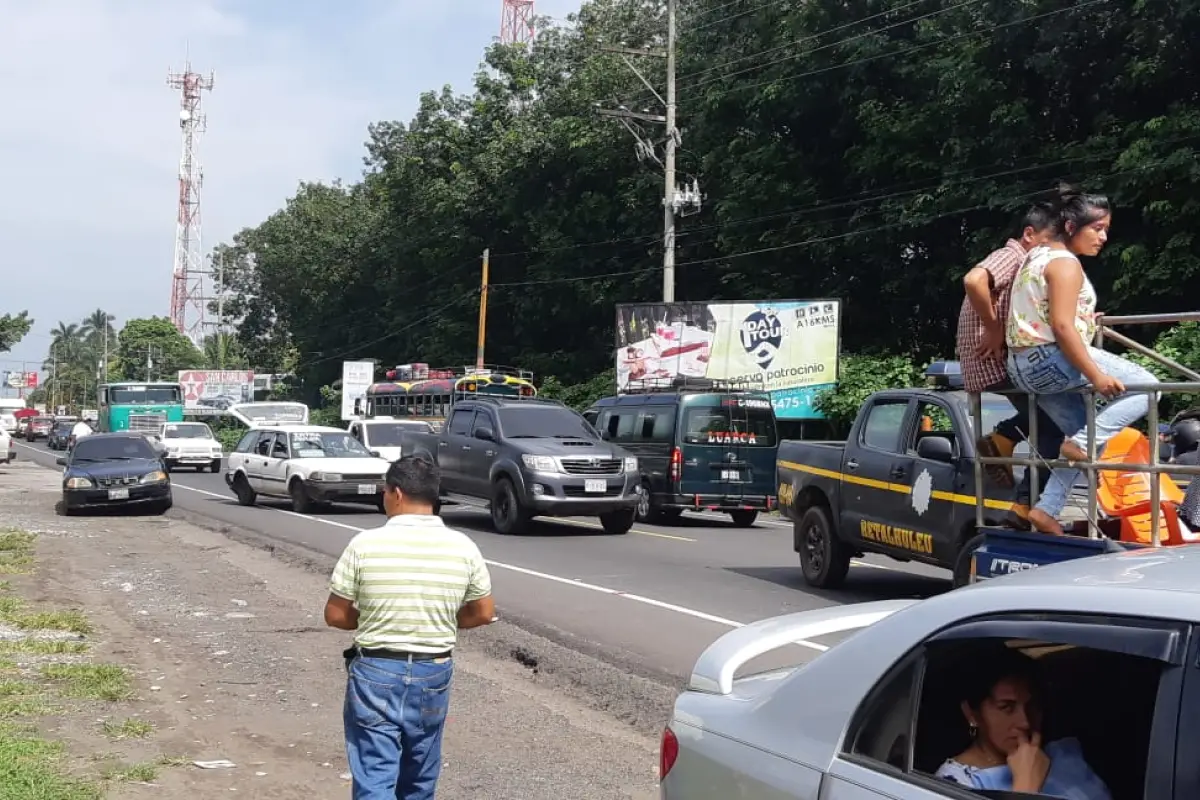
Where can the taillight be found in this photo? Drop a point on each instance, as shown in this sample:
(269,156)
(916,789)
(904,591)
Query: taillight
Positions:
(676,464)
(667,753)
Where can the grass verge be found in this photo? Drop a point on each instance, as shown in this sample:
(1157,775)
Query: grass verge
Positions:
(91,681)
(127,729)
(16,552)
(31,768)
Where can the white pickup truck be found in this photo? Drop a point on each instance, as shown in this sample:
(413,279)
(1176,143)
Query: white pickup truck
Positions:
(188,444)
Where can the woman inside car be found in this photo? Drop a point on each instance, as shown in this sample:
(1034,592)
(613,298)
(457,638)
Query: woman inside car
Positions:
(1000,706)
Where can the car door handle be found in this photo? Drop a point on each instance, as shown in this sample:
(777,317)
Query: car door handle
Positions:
(852,465)
(441,444)
(898,472)
(490,453)
(466,447)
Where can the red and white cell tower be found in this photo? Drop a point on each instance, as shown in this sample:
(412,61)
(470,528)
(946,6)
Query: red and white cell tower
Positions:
(188,301)
(516,22)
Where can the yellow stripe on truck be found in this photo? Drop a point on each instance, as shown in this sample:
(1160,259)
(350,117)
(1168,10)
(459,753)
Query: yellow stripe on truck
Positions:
(899,488)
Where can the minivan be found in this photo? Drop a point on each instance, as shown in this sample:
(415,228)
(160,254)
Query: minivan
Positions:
(698,450)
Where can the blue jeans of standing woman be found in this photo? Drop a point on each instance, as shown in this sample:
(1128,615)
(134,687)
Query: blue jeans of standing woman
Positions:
(1046,372)
(394,714)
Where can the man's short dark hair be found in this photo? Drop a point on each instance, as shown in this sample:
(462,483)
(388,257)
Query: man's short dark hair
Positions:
(416,477)
(1040,216)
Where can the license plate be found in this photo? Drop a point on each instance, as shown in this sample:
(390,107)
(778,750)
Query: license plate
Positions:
(595,486)
(366,488)
(118,494)
(730,475)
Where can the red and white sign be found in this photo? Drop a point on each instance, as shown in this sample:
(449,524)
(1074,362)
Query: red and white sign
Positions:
(214,391)
(31,380)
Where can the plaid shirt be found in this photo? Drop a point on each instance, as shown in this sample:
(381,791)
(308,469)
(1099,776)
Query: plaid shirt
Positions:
(981,372)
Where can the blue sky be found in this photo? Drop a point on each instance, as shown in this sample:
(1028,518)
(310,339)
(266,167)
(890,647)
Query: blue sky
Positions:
(89,135)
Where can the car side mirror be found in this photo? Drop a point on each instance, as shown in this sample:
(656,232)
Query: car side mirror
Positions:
(936,448)
(377,454)
(62,462)
(486,434)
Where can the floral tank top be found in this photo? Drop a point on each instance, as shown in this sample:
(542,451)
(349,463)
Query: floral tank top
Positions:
(1029,315)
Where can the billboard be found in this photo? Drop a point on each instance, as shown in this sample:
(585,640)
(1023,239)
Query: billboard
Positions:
(215,391)
(21,380)
(357,376)
(786,347)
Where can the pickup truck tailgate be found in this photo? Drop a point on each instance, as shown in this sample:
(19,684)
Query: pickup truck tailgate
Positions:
(1005,551)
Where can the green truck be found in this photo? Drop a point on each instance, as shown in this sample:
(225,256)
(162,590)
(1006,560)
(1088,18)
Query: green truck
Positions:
(139,406)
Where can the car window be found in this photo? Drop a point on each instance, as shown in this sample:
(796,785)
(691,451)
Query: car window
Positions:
(483,419)
(263,448)
(883,425)
(327,444)
(247,442)
(656,424)
(618,424)
(106,448)
(933,419)
(460,422)
(912,725)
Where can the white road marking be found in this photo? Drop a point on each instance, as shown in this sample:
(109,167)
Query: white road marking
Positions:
(637,598)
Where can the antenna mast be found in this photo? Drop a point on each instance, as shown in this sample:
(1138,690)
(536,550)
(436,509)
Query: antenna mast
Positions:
(188,303)
(516,22)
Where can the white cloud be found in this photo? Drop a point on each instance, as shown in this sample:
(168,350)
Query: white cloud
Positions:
(89,138)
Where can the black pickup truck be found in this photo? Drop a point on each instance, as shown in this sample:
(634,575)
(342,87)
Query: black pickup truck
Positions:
(522,458)
(902,484)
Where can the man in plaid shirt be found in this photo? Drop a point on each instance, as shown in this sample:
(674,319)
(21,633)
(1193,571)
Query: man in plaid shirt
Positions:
(982,352)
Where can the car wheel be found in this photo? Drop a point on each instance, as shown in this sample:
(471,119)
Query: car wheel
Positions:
(824,559)
(646,512)
(214,467)
(507,514)
(617,522)
(164,506)
(743,518)
(241,487)
(963,561)
(301,502)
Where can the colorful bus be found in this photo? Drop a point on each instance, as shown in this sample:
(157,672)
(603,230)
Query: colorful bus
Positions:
(139,406)
(418,393)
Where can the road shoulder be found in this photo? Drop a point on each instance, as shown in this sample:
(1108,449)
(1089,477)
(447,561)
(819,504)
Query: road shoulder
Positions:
(229,659)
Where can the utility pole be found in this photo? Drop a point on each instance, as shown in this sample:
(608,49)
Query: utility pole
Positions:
(149,363)
(483,298)
(676,201)
(221,312)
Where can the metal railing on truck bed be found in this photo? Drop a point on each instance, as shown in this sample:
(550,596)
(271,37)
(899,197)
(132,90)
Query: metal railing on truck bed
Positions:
(1091,467)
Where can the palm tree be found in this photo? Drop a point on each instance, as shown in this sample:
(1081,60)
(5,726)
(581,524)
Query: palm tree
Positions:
(100,337)
(67,362)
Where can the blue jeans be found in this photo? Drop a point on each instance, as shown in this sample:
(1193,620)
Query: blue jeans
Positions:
(394,714)
(1016,429)
(1046,372)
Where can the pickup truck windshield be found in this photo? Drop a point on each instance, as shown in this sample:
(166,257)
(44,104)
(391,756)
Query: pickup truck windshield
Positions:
(190,430)
(327,445)
(543,422)
(718,425)
(390,434)
(121,448)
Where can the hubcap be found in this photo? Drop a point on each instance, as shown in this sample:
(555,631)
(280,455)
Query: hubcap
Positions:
(643,503)
(814,547)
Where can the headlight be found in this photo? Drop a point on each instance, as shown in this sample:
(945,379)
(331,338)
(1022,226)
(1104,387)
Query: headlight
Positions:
(154,477)
(79,483)
(631,465)
(332,477)
(540,463)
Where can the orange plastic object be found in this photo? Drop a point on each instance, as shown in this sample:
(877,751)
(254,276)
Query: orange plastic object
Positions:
(1126,495)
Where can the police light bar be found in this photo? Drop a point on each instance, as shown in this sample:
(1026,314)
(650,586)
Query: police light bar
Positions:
(944,375)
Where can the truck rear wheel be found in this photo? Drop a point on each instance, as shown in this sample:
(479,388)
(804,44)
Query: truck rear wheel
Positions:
(743,518)
(824,559)
(962,561)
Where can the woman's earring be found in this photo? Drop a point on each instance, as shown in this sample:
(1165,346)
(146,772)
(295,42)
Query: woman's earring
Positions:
(973,730)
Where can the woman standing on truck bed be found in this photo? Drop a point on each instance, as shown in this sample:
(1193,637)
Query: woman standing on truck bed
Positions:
(1051,325)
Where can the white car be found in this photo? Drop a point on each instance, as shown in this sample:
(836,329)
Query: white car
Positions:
(312,465)
(189,444)
(8,451)
(384,435)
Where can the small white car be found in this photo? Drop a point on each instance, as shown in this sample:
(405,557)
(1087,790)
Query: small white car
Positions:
(189,444)
(8,451)
(312,465)
(384,434)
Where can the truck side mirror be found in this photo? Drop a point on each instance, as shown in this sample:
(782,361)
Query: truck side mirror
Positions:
(62,462)
(486,434)
(936,448)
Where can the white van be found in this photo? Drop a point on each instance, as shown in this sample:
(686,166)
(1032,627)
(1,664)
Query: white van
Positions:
(7,406)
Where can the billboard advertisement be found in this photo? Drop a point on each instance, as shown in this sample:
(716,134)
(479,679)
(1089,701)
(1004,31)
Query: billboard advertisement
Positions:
(786,347)
(214,391)
(357,376)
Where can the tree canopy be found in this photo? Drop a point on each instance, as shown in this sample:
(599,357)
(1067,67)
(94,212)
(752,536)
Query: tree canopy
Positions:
(870,150)
(13,328)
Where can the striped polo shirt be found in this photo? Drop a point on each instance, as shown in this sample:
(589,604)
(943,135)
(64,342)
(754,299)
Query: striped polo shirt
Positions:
(409,579)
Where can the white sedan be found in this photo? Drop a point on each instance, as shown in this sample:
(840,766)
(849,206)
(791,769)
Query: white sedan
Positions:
(8,451)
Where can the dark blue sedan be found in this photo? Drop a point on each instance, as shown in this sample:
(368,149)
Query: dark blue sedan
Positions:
(114,470)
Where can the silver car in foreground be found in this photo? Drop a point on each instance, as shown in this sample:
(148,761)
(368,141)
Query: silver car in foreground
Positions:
(1116,645)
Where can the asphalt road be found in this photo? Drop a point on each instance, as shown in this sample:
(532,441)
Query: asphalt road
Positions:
(656,596)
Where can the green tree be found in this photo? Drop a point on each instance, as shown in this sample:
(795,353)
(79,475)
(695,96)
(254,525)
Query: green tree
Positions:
(13,328)
(154,349)
(858,377)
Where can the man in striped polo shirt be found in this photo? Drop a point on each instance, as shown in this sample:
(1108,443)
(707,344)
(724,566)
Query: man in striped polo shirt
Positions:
(405,589)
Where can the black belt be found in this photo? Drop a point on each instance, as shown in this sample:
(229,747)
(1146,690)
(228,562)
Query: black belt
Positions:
(396,655)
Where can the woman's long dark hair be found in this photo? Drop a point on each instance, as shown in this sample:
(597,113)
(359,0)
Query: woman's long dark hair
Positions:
(1074,208)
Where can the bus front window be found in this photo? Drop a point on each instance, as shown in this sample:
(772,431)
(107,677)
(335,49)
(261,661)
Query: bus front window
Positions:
(135,395)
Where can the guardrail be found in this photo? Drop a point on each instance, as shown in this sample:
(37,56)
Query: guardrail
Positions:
(1036,461)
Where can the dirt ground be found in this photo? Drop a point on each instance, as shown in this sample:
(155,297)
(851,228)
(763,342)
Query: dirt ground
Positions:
(231,660)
